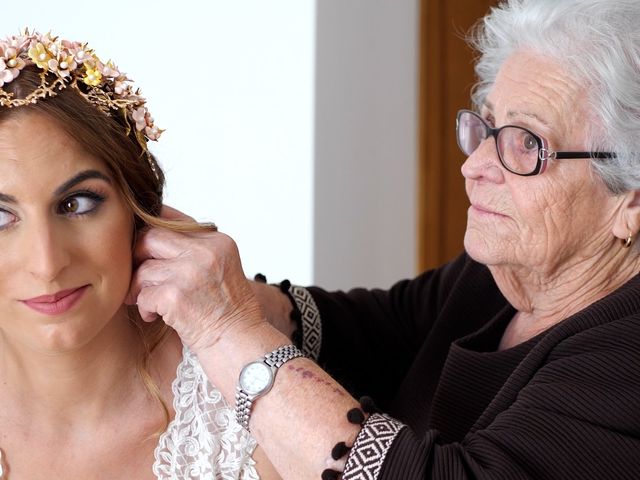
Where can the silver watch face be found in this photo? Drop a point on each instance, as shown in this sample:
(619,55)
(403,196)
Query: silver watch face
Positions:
(256,378)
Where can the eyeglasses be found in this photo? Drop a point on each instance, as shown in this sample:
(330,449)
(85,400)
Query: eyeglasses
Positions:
(520,150)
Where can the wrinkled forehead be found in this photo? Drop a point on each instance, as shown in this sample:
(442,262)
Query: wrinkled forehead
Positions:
(537,90)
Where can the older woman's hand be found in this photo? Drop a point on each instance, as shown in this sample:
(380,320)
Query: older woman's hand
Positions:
(194,281)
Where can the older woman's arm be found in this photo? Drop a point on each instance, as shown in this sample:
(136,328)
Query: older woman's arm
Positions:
(196,284)
(276,306)
(367,339)
(569,411)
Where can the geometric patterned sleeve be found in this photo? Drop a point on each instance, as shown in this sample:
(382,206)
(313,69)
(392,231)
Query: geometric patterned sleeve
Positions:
(374,440)
(370,448)
(311,323)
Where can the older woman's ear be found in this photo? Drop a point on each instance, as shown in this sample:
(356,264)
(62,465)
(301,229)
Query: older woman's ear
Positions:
(627,222)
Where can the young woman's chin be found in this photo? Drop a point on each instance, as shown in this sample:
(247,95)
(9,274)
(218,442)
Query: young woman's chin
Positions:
(62,334)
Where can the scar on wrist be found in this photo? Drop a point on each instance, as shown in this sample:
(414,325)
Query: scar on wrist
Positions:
(309,375)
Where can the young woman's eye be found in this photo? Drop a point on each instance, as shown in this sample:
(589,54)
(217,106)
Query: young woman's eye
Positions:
(80,204)
(6,219)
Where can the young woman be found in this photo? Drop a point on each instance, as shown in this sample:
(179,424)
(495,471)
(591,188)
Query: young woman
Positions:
(89,390)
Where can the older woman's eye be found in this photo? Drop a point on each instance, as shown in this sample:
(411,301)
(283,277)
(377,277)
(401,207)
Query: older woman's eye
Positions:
(80,204)
(6,219)
(529,142)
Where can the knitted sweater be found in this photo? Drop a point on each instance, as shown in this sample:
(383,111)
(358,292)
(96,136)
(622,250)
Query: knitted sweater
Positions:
(563,405)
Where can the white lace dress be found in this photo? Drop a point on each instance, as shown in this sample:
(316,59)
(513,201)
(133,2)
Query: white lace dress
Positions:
(204,441)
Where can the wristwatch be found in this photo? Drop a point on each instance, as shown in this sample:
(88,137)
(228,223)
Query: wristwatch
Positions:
(256,379)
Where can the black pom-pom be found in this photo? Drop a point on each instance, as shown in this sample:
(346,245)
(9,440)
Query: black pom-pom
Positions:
(259,277)
(355,415)
(339,451)
(329,474)
(368,406)
(296,316)
(285,285)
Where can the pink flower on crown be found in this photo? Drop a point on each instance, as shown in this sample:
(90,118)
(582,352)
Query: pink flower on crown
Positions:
(12,59)
(152,132)
(144,123)
(19,43)
(79,51)
(63,65)
(110,70)
(139,116)
(40,55)
(7,74)
(120,86)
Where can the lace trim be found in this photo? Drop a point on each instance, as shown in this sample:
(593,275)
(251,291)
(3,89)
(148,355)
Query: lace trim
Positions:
(311,322)
(203,441)
(370,448)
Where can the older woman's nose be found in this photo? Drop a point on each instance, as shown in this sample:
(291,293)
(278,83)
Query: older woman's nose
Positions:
(46,252)
(484,163)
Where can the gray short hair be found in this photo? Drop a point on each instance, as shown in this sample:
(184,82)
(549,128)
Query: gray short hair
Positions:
(599,41)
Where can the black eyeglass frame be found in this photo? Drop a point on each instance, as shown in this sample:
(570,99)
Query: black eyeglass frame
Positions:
(544,153)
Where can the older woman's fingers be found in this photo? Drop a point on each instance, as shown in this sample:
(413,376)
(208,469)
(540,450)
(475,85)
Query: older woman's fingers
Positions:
(163,243)
(158,243)
(147,303)
(149,272)
(181,305)
(194,281)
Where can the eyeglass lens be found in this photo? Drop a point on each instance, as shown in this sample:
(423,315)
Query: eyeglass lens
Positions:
(517,148)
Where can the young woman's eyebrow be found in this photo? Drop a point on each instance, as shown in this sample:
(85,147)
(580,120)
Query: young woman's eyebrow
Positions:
(81,177)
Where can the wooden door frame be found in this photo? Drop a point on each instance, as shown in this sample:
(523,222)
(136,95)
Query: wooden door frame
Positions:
(446,78)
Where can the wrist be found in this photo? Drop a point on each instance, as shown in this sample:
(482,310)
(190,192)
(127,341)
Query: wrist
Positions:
(256,379)
(223,360)
(277,306)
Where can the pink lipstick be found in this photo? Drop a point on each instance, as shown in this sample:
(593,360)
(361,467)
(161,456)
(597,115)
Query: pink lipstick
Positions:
(58,303)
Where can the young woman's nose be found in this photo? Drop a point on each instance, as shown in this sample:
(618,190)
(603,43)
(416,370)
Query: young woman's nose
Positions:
(484,163)
(46,251)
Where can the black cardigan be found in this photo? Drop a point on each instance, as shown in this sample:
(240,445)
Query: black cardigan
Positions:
(565,404)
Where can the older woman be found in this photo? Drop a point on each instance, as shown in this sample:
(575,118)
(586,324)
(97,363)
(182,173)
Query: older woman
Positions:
(520,359)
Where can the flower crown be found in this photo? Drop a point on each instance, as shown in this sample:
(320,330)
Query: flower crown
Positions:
(72,64)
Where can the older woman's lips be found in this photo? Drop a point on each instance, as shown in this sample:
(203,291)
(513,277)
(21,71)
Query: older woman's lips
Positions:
(57,303)
(484,211)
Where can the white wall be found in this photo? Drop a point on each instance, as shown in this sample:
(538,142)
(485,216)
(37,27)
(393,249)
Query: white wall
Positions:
(365,143)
